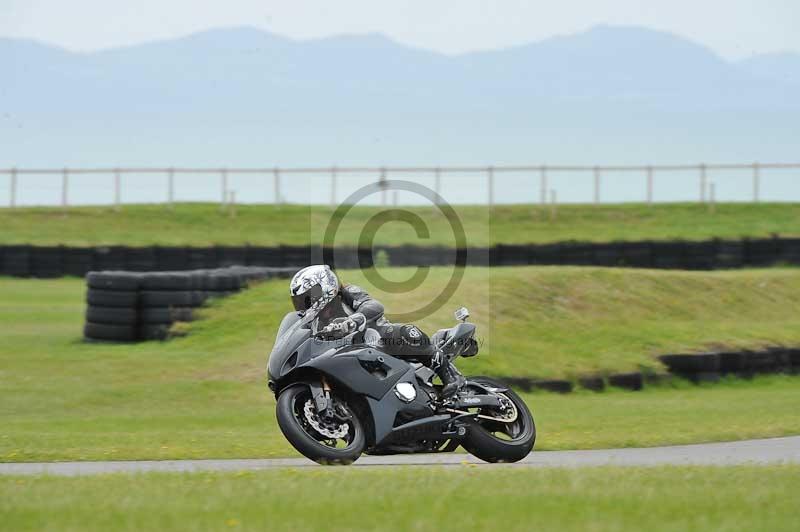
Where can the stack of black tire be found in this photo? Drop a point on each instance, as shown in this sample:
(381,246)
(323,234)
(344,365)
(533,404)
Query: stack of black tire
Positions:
(134,306)
(112,300)
(745,363)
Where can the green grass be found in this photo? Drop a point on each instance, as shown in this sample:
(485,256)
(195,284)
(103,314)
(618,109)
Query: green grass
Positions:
(205,395)
(412,498)
(203,224)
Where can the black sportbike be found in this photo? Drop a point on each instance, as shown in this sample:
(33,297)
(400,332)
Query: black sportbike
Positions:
(339,398)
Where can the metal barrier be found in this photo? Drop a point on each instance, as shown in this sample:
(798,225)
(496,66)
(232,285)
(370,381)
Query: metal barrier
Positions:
(492,174)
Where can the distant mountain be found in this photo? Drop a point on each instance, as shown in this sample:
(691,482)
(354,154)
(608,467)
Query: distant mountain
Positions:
(243,66)
(781,67)
(242,94)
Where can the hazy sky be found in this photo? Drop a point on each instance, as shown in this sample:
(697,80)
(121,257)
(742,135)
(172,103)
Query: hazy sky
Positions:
(733,28)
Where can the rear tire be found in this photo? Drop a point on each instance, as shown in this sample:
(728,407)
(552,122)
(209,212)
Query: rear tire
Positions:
(289,411)
(481,440)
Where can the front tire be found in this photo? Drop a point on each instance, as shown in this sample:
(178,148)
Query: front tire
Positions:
(494,441)
(296,427)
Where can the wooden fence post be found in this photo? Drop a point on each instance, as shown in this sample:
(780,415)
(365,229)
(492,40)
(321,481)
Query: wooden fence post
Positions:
(490,177)
(382,183)
(703,185)
(543,185)
(596,185)
(756,182)
(171,188)
(65,189)
(437,184)
(276,173)
(333,186)
(117,191)
(12,193)
(223,185)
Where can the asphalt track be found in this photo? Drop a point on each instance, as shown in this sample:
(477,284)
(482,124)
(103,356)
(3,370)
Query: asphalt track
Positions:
(759,452)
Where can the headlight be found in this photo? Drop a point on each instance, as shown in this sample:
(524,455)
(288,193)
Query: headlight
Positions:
(405,391)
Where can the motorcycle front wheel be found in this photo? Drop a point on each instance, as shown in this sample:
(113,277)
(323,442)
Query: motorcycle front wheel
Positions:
(329,441)
(500,441)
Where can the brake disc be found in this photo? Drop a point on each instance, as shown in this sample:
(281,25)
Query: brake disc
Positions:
(329,430)
(509,413)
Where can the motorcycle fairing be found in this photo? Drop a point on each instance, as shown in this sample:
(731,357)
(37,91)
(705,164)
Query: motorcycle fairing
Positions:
(374,374)
(385,409)
(365,371)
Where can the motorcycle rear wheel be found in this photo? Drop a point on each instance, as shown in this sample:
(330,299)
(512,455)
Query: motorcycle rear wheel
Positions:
(307,440)
(494,441)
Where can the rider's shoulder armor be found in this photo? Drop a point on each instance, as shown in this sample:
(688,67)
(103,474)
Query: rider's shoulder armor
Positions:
(359,300)
(354,290)
(353,295)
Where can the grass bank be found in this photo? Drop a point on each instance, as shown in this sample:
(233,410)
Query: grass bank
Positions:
(205,395)
(203,224)
(412,498)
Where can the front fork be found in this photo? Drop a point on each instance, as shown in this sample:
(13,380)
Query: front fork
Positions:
(326,407)
(321,392)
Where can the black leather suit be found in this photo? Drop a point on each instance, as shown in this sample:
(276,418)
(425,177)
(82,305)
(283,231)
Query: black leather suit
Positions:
(401,340)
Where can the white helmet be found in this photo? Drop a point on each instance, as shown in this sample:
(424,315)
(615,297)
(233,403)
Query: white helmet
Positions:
(312,288)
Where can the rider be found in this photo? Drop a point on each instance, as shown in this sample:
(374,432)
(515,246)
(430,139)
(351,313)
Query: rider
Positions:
(339,310)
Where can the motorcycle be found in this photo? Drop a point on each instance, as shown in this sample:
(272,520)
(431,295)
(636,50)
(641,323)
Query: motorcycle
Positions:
(337,399)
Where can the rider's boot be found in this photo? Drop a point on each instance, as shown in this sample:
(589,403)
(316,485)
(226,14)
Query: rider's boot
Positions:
(450,377)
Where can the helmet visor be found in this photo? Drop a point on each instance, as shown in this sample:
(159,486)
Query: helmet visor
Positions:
(303,302)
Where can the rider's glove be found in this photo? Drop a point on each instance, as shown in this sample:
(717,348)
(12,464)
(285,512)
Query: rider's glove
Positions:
(343,326)
(332,329)
(352,322)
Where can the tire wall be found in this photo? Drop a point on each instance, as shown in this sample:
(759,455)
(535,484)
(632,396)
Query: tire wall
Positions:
(133,306)
(696,367)
(124,306)
(700,367)
(58,261)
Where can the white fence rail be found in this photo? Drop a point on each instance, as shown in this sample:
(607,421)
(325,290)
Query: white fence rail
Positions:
(539,179)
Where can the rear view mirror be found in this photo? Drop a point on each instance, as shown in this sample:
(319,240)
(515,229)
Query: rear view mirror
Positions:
(462,314)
